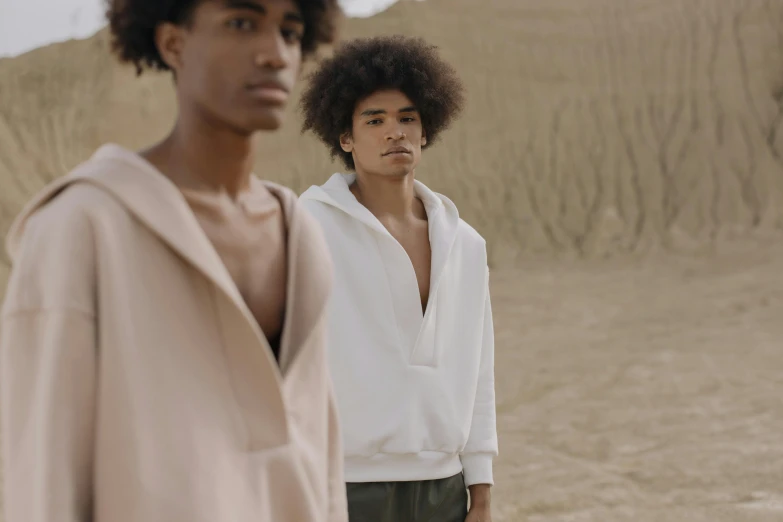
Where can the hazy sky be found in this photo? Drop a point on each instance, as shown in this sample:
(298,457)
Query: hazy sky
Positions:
(27,24)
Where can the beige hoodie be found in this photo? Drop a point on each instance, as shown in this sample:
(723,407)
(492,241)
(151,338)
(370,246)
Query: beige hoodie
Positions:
(136,385)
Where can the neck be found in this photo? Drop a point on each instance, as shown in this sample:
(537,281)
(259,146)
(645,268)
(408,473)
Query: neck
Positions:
(386,196)
(198,154)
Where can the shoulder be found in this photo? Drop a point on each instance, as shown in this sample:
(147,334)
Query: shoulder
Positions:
(310,228)
(310,250)
(466,233)
(68,202)
(81,200)
(54,251)
(469,234)
(472,246)
(66,218)
(326,215)
(280,190)
(472,243)
(311,203)
(61,220)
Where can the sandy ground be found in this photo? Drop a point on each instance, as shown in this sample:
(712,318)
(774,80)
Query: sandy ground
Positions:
(642,391)
(619,157)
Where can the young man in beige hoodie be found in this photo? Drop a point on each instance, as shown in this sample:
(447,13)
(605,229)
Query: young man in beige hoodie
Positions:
(162,351)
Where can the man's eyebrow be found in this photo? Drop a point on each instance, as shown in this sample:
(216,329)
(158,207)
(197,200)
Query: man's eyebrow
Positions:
(375,112)
(293,16)
(249,5)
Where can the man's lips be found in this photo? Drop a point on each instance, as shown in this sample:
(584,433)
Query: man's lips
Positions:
(396,150)
(269,91)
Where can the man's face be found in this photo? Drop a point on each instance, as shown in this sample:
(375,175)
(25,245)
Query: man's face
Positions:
(387,135)
(238,61)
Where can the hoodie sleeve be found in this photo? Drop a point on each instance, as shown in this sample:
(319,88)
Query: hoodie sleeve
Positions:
(47,373)
(482,445)
(338,501)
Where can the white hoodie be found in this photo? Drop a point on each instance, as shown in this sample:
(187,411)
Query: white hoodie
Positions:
(415,392)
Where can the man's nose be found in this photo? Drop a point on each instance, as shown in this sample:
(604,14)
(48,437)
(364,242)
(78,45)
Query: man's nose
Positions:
(396,133)
(272,51)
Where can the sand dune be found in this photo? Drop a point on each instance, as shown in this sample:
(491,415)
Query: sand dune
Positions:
(593,127)
(644,387)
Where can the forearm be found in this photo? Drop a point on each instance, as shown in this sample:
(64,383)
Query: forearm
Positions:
(482,443)
(480,495)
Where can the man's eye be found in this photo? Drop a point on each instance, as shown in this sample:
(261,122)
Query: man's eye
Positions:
(408,119)
(241,24)
(373,122)
(292,36)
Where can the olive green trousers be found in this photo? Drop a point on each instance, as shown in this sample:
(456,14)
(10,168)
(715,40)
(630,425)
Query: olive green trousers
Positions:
(444,500)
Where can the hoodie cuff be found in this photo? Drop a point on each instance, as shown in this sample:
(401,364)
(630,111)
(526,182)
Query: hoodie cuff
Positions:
(477,468)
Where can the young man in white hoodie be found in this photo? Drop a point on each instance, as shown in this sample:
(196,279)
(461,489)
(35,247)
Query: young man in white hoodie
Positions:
(162,349)
(410,324)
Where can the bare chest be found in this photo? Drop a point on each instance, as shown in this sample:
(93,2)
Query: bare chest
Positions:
(252,246)
(416,242)
(255,256)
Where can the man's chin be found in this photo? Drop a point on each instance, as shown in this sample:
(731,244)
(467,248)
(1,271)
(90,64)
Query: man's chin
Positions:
(399,172)
(270,120)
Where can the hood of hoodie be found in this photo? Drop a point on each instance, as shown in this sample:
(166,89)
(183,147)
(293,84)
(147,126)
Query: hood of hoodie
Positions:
(152,199)
(442,215)
(130,179)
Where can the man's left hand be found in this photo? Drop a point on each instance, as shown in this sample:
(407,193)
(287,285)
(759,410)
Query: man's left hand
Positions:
(479,514)
(480,510)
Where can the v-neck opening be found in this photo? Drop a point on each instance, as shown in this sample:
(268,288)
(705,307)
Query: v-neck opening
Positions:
(288,215)
(237,300)
(414,321)
(409,335)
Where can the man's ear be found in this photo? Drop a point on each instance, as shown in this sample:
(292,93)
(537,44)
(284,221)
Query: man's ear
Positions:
(346,142)
(423,138)
(169,39)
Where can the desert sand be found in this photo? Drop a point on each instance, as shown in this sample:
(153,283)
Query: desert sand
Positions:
(624,160)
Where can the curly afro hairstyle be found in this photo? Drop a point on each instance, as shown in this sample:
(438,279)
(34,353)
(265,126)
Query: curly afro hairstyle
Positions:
(133,23)
(364,66)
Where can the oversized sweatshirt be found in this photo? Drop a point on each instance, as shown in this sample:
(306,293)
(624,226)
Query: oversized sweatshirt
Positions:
(137,386)
(415,390)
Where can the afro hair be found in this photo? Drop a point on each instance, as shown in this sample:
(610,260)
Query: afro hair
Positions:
(364,66)
(133,23)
